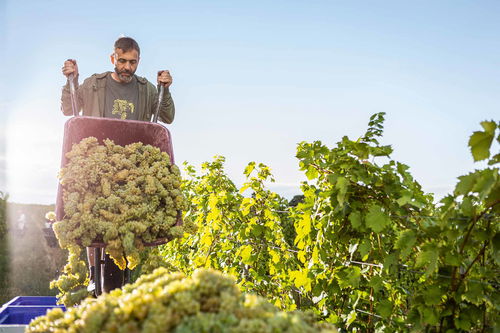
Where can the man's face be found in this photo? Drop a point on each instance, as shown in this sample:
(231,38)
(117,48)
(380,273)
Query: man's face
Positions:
(125,64)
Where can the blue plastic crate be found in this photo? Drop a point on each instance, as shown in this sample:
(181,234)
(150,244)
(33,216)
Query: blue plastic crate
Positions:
(33,301)
(21,315)
(20,310)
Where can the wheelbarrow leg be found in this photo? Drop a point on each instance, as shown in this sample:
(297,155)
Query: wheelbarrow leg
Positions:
(112,275)
(97,277)
(127,276)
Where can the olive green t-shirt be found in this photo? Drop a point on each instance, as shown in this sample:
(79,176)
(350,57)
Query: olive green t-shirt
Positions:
(121,99)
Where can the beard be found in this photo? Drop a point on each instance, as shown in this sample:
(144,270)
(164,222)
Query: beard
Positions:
(125,78)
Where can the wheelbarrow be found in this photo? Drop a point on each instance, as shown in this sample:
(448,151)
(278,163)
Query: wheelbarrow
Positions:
(107,275)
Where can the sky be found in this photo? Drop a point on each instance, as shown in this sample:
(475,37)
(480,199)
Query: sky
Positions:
(254,78)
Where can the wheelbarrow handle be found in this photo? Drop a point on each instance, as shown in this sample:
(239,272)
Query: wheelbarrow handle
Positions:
(72,92)
(160,99)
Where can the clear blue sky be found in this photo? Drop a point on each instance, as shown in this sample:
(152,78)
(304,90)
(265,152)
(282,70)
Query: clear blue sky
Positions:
(252,79)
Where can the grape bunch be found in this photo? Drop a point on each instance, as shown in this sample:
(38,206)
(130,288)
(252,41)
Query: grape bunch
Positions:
(72,283)
(123,196)
(161,302)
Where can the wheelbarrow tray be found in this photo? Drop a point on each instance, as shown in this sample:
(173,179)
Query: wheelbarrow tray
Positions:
(121,132)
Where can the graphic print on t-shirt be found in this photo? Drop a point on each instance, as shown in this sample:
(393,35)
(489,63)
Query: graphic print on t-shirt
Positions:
(121,100)
(122,107)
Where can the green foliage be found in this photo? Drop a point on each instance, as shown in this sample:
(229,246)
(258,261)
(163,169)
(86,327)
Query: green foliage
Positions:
(239,235)
(460,250)
(31,262)
(3,214)
(359,216)
(4,247)
(370,250)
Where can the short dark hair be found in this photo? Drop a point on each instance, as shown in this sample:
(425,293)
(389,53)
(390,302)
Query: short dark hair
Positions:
(127,44)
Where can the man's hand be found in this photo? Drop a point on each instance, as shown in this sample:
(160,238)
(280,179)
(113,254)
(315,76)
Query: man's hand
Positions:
(70,67)
(164,78)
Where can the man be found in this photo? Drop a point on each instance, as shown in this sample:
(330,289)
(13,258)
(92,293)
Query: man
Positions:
(120,94)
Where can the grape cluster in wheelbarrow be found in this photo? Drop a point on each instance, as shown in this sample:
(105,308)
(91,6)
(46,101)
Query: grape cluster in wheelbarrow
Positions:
(122,196)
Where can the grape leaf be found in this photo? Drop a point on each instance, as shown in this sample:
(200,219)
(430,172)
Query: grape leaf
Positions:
(428,259)
(452,259)
(376,282)
(430,315)
(311,173)
(351,318)
(364,248)
(342,184)
(246,253)
(301,279)
(496,248)
(480,142)
(432,295)
(355,219)
(384,308)
(465,184)
(474,293)
(376,219)
(406,240)
(249,168)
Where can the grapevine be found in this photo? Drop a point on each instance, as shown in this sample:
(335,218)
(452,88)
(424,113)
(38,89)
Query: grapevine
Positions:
(366,248)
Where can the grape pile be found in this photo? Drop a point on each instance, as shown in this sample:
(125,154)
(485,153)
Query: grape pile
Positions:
(162,302)
(123,196)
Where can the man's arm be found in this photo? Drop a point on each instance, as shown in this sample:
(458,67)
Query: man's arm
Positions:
(167,107)
(70,68)
(66,107)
